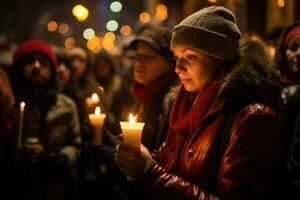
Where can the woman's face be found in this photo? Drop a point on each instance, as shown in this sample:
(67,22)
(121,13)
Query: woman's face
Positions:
(148,64)
(80,65)
(195,69)
(64,74)
(292,54)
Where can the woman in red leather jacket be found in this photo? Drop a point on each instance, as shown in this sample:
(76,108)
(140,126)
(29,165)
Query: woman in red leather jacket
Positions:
(224,139)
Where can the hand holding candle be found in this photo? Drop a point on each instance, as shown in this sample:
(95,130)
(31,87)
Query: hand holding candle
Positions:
(132,131)
(20,133)
(97,120)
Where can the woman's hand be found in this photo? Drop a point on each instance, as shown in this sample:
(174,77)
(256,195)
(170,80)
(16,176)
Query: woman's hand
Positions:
(133,161)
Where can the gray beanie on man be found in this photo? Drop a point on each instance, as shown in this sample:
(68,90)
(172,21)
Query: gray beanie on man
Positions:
(212,31)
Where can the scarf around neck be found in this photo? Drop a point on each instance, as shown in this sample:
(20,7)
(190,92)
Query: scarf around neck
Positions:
(147,93)
(185,119)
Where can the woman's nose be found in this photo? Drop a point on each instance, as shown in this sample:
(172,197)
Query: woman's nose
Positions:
(179,68)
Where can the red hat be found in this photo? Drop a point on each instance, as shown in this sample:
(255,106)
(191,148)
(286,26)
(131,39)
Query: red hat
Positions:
(291,34)
(35,45)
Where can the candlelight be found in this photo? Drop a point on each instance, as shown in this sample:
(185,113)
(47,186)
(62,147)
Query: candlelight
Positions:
(97,120)
(22,106)
(21,119)
(97,111)
(132,119)
(95,97)
(132,131)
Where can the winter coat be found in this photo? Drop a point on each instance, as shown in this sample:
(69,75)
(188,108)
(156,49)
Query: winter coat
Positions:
(51,117)
(236,151)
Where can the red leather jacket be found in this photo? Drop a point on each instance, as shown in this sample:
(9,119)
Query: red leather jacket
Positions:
(251,165)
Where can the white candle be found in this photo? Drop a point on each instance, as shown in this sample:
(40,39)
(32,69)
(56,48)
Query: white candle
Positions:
(132,131)
(97,120)
(20,133)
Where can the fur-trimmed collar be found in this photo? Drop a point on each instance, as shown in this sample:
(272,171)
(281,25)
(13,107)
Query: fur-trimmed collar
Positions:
(251,78)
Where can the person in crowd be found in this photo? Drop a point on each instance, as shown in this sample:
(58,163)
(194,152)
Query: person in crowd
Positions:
(85,83)
(224,139)
(288,61)
(45,145)
(105,73)
(154,76)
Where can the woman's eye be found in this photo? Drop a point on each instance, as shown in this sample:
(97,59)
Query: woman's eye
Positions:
(191,57)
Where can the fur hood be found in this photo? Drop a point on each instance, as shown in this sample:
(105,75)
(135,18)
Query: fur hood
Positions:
(250,79)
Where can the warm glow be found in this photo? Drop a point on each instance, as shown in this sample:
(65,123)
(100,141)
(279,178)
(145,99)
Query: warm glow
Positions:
(271,51)
(255,38)
(161,8)
(94,44)
(63,28)
(110,36)
(144,17)
(69,43)
(22,106)
(95,97)
(80,12)
(108,45)
(97,111)
(52,26)
(280,3)
(161,12)
(132,119)
(212,1)
(88,33)
(125,30)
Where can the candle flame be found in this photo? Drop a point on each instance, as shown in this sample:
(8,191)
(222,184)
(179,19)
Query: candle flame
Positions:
(132,119)
(22,104)
(95,97)
(97,111)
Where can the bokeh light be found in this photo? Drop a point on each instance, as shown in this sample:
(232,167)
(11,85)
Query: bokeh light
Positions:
(125,30)
(69,43)
(144,17)
(88,33)
(52,26)
(161,12)
(116,6)
(63,28)
(110,36)
(80,12)
(112,25)
(281,3)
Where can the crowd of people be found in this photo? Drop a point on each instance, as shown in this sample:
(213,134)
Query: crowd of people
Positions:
(220,112)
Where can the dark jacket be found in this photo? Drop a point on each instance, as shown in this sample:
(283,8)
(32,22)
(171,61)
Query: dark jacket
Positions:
(51,117)
(252,162)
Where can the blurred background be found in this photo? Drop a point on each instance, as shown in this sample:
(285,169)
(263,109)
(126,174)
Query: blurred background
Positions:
(109,24)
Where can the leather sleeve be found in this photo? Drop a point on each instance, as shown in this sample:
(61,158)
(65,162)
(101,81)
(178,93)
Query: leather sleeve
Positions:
(248,168)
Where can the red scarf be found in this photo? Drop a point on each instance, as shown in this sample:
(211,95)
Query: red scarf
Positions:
(184,119)
(147,93)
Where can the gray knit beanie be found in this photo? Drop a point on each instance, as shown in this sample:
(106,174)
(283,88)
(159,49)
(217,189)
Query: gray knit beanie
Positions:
(212,31)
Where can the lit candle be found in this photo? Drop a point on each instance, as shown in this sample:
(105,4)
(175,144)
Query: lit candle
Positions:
(93,100)
(22,108)
(97,120)
(132,131)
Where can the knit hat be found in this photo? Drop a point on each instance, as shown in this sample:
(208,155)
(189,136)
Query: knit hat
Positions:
(212,30)
(35,45)
(291,35)
(157,37)
(77,51)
